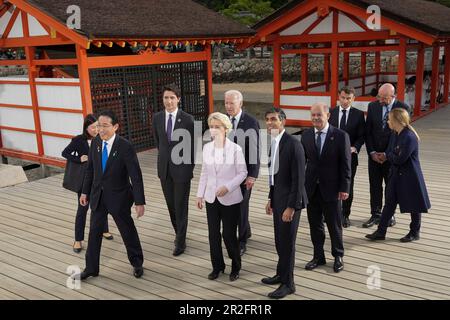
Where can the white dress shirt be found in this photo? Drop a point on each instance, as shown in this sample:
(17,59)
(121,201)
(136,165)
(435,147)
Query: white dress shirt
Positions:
(109,145)
(273,169)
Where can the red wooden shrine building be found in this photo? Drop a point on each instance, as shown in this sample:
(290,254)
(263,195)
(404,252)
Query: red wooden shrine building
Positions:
(337,29)
(118,57)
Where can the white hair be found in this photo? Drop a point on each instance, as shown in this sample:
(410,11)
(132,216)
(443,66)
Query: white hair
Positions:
(235,93)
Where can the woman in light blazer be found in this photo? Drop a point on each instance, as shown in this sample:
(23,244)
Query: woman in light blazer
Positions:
(406,186)
(223,170)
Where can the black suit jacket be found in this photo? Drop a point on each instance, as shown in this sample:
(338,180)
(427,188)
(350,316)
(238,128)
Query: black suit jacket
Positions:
(182,172)
(247,137)
(355,127)
(332,168)
(77,147)
(289,179)
(114,184)
(377,139)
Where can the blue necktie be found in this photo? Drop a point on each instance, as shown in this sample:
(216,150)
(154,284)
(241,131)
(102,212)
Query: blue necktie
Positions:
(169,128)
(104,155)
(385,116)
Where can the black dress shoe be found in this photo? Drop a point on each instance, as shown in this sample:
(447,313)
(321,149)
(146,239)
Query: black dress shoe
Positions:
(374,219)
(346,222)
(410,237)
(138,272)
(243,249)
(85,274)
(392,222)
(178,250)
(77,250)
(282,291)
(314,263)
(234,275)
(376,235)
(215,274)
(276,279)
(109,236)
(338,264)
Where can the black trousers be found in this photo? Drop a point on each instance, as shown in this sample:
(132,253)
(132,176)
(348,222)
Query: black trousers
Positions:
(177,200)
(377,173)
(285,237)
(229,216)
(127,230)
(80,221)
(389,210)
(318,209)
(244,225)
(347,204)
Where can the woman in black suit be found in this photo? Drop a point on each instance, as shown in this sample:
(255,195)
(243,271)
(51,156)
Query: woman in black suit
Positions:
(406,185)
(77,151)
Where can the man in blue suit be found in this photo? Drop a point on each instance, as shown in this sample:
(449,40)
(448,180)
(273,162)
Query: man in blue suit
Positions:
(328,178)
(112,164)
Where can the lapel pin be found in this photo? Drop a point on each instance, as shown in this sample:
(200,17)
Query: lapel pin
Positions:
(98,149)
(332,138)
(115,153)
(179,120)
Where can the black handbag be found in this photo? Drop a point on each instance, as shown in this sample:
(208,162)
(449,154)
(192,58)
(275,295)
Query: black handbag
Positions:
(74,176)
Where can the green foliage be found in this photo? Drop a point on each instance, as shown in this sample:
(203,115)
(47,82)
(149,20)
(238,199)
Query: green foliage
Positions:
(248,12)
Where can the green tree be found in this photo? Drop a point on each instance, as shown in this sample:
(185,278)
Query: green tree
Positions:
(248,12)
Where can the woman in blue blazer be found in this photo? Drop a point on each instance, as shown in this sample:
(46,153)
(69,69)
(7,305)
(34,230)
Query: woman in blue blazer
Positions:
(406,186)
(77,151)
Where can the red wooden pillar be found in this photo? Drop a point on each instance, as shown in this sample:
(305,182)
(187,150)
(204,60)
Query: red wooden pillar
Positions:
(434,76)
(363,72)
(346,66)
(419,80)
(85,83)
(377,67)
(277,74)
(32,74)
(447,72)
(209,84)
(334,73)
(401,71)
(326,71)
(304,76)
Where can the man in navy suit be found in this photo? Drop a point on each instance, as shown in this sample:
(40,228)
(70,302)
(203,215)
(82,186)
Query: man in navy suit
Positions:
(351,120)
(112,164)
(328,178)
(287,197)
(172,127)
(245,133)
(378,134)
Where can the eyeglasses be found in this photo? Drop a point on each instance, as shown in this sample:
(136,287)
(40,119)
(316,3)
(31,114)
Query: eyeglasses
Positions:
(103,126)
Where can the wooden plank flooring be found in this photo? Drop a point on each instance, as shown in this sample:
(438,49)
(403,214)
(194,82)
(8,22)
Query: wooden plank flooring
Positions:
(36,235)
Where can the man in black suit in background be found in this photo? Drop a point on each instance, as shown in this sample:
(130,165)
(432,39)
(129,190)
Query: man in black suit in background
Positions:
(173,128)
(245,133)
(351,120)
(112,164)
(328,178)
(378,134)
(287,197)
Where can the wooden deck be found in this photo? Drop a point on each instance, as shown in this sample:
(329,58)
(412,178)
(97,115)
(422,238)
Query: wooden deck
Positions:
(36,235)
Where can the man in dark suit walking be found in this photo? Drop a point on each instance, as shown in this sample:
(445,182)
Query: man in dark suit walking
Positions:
(173,128)
(378,134)
(245,133)
(351,120)
(287,197)
(112,164)
(328,178)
